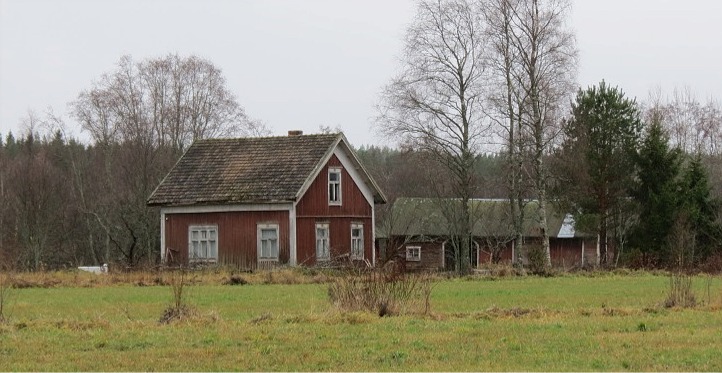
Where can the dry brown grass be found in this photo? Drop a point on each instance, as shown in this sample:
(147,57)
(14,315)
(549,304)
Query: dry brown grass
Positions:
(164,277)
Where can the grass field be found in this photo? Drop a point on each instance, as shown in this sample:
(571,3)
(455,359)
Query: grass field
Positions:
(608,323)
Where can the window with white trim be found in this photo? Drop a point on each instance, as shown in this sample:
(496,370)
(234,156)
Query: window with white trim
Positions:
(357,241)
(267,242)
(413,253)
(322,242)
(202,243)
(334,186)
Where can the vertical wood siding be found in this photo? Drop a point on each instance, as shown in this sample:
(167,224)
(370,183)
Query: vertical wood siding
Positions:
(567,252)
(237,235)
(432,255)
(485,253)
(313,207)
(315,201)
(339,237)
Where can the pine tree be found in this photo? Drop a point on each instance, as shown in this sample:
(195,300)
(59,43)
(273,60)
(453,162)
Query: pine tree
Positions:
(601,137)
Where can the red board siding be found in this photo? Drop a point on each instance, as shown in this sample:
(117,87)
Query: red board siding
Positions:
(432,257)
(314,203)
(313,207)
(237,241)
(505,256)
(567,252)
(339,238)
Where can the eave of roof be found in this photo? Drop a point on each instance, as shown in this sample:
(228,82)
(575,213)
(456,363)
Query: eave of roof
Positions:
(244,171)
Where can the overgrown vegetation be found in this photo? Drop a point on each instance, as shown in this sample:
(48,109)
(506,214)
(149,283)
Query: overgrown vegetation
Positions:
(5,293)
(180,309)
(681,293)
(385,292)
(537,261)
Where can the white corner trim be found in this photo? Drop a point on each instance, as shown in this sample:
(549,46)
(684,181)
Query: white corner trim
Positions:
(317,170)
(225,208)
(162,237)
(373,236)
(346,163)
(348,166)
(292,236)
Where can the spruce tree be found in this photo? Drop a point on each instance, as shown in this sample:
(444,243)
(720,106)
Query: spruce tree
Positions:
(700,209)
(657,193)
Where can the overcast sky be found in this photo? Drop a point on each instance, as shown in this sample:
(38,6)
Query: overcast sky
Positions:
(299,64)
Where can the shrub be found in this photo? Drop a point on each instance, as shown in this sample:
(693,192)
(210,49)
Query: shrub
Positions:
(680,292)
(501,270)
(385,292)
(5,289)
(235,280)
(537,261)
(179,310)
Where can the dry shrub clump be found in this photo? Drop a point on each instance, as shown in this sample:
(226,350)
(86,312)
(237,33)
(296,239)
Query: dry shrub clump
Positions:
(383,291)
(682,242)
(680,292)
(180,309)
(289,276)
(173,313)
(5,292)
(235,280)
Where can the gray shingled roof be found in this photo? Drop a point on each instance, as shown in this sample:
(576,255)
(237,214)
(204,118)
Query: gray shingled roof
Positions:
(426,217)
(245,170)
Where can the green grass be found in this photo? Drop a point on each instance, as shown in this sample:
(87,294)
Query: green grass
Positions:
(607,323)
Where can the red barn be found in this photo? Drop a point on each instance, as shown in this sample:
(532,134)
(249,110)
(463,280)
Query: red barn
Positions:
(261,202)
(416,234)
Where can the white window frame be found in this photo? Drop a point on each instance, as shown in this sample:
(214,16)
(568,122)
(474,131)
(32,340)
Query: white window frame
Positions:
(334,187)
(211,241)
(357,241)
(410,256)
(259,242)
(323,244)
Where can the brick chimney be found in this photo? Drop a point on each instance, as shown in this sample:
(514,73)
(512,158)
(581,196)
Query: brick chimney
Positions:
(295,133)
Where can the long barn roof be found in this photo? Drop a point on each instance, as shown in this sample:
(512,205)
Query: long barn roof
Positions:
(430,217)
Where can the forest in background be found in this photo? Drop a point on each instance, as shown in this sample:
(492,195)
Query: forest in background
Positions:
(65,203)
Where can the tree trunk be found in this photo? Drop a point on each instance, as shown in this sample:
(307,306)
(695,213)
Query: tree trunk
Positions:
(543,225)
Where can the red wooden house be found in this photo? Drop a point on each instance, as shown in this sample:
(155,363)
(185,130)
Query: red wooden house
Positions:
(260,202)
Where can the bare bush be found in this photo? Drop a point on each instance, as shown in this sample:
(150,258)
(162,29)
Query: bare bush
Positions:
(6,285)
(384,292)
(680,292)
(180,309)
(682,242)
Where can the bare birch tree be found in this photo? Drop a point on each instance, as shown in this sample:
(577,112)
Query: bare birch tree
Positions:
(436,101)
(504,103)
(542,71)
(142,116)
